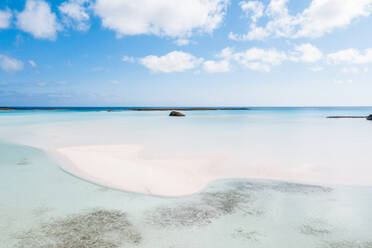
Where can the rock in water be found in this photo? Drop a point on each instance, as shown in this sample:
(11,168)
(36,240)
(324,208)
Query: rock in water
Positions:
(176,113)
(369,117)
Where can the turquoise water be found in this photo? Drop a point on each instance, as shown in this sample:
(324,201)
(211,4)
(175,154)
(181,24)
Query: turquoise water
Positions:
(43,206)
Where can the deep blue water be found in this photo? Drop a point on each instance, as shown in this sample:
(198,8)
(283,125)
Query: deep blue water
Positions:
(347,109)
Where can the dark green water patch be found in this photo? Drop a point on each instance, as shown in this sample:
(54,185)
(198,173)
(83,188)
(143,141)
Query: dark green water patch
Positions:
(284,187)
(23,161)
(95,229)
(314,230)
(301,188)
(348,244)
(242,234)
(203,209)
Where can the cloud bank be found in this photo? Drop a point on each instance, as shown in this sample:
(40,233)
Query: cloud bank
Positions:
(5,17)
(38,20)
(176,61)
(173,18)
(9,64)
(319,18)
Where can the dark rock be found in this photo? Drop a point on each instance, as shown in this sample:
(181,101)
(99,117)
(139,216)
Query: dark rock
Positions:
(369,117)
(6,109)
(176,113)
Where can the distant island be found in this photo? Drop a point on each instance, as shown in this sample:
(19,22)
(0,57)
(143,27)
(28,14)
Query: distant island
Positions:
(115,109)
(368,117)
(346,117)
(189,109)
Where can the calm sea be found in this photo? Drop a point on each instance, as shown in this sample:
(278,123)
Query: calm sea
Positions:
(43,206)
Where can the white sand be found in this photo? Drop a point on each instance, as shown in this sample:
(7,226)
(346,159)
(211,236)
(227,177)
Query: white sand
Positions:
(123,167)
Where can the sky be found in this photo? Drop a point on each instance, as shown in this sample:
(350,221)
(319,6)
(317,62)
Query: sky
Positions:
(185,53)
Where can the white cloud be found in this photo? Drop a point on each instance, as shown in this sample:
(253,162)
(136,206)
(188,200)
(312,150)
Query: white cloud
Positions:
(32,63)
(182,42)
(38,19)
(279,23)
(256,33)
(226,53)
(307,53)
(260,59)
(277,8)
(212,66)
(75,14)
(256,59)
(175,61)
(128,59)
(9,64)
(174,18)
(320,17)
(5,17)
(350,56)
(258,66)
(254,9)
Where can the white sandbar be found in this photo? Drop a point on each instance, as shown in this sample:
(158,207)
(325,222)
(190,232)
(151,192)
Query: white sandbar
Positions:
(123,167)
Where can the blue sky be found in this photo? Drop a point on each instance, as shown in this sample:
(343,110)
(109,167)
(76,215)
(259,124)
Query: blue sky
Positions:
(178,52)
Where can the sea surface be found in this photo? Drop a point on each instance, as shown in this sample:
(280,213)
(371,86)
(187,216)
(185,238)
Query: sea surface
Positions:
(41,205)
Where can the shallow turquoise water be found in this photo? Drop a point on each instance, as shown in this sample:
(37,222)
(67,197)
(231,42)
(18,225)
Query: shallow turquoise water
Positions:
(40,204)
(255,213)
(282,142)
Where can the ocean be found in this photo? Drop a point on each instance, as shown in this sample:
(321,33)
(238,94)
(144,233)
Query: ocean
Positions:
(310,181)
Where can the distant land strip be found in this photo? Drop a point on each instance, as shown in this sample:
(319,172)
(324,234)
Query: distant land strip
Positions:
(351,117)
(187,109)
(119,109)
